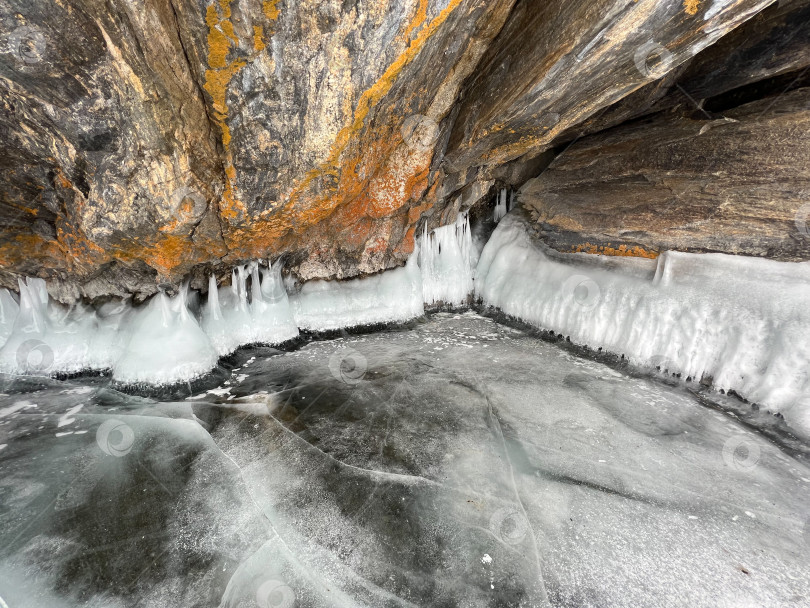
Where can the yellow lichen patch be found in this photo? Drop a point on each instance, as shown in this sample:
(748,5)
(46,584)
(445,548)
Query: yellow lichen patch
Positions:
(258,38)
(419,18)
(620,251)
(221,40)
(270,8)
(691,6)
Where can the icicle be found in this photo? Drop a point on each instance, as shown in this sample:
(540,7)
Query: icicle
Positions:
(500,207)
(9,310)
(213,299)
(31,319)
(446,263)
(241,288)
(166,315)
(255,285)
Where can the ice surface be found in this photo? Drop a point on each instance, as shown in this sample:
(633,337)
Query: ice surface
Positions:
(461,463)
(741,323)
(445,258)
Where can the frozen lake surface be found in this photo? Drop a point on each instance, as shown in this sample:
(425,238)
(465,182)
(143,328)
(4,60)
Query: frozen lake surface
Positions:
(457,463)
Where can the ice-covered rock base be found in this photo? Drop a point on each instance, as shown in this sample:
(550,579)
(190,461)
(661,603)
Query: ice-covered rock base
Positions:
(738,323)
(171,340)
(165,341)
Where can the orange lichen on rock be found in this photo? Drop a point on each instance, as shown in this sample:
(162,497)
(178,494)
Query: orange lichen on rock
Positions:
(419,18)
(691,6)
(221,40)
(168,253)
(345,186)
(28,247)
(620,251)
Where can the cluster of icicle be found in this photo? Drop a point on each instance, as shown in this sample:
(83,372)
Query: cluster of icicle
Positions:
(503,205)
(446,260)
(177,339)
(165,341)
(741,323)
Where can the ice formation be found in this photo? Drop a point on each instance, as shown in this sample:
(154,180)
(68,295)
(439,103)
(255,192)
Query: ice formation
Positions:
(439,271)
(44,335)
(230,321)
(501,206)
(166,344)
(162,342)
(742,323)
(389,297)
(446,262)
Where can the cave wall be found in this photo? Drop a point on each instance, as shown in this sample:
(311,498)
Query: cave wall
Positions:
(148,141)
(735,184)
